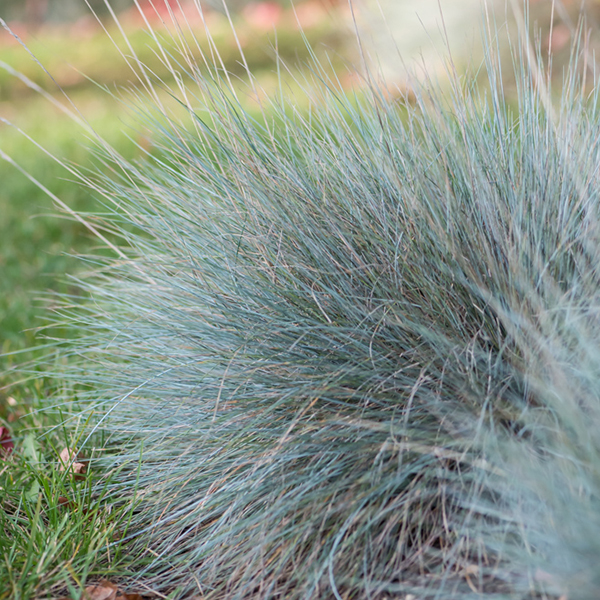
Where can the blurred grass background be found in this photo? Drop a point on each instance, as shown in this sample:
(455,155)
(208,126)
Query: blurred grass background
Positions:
(37,243)
(37,246)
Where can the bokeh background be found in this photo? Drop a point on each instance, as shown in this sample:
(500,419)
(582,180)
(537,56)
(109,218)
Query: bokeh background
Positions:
(39,244)
(75,57)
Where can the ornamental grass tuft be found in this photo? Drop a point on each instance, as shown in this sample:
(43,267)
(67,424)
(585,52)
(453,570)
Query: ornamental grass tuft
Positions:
(350,347)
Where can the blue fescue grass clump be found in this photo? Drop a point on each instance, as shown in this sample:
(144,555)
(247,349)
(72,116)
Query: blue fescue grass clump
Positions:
(356,347)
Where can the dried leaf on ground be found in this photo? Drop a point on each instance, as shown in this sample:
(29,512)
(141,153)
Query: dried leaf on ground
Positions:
(104,590)
(65,502)
(73,462)
(6,442)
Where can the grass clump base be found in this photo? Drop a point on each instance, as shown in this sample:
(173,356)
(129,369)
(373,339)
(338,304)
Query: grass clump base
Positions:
(357,346)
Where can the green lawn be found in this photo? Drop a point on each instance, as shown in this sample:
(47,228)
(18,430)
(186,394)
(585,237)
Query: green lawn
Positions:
(44,544)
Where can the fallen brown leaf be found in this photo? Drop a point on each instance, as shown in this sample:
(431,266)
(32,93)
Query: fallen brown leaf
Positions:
(6,442)
(64,502)
(104,590)
(73,462)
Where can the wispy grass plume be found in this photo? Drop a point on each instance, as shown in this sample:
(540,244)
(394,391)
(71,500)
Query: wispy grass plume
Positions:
(357,342)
